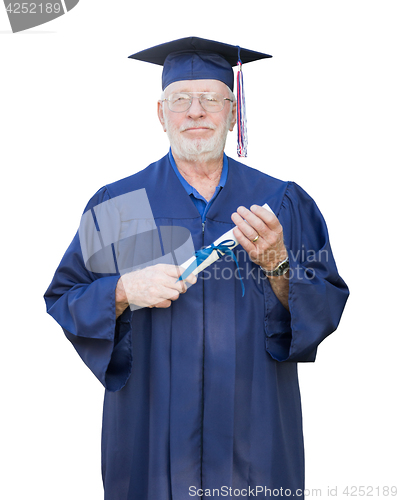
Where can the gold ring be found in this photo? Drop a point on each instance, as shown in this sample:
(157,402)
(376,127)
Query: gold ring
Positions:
(255,239)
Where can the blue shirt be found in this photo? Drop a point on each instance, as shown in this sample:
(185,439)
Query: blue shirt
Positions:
(199,201)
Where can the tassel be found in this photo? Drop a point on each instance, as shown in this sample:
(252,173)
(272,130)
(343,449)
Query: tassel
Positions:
(242,137)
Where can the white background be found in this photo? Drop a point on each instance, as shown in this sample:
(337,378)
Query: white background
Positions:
(77,114)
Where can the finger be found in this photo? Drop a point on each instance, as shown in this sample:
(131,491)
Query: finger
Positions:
(267,217)
(170,288)
(170,270)
(164,294)
(180,286)
(191,278)
(163,305)
(246,244)
(253,220)
(177,271)
(174,284)
(246,229)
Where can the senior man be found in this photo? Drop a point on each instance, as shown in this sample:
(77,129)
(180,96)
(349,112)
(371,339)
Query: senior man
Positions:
(202,395)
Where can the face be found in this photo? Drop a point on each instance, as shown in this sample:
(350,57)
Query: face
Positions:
(197,134)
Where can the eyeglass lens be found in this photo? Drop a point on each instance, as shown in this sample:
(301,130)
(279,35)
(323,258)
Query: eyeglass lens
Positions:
(211,102)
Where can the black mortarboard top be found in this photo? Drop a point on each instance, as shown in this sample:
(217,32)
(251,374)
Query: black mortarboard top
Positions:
(194,58)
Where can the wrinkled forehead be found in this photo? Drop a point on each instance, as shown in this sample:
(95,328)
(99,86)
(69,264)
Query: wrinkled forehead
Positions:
(203,85)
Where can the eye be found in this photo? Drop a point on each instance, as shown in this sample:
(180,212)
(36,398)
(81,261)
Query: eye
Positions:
(210,97)
(179,98)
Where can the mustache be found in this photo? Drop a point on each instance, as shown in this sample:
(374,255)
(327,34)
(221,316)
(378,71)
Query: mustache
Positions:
(196,124)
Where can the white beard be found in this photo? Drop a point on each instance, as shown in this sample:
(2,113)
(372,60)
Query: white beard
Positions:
(197,149)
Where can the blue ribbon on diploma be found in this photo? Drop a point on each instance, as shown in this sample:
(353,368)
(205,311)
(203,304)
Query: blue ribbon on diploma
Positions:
(222,249)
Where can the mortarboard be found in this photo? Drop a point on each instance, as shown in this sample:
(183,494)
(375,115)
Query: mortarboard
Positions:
(194,58)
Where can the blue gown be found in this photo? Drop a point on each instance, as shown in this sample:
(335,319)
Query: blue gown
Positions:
(204,395)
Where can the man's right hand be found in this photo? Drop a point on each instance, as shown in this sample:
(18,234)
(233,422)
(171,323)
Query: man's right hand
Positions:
(153,286)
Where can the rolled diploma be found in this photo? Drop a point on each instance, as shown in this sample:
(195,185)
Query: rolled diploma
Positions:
(229,235)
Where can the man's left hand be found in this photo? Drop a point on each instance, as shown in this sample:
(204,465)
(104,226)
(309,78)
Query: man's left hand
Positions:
(260,233)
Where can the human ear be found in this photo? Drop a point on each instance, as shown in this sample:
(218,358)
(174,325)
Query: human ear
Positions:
(233,116)
(161,115)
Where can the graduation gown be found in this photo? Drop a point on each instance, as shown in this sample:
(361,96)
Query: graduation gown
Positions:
(203,395)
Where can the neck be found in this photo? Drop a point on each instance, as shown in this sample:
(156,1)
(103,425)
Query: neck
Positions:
(201,173)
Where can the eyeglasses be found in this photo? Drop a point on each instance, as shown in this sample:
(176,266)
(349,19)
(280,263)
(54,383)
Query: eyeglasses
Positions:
(210,101)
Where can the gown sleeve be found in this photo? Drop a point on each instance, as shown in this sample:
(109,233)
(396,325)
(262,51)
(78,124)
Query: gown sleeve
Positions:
(317,294)
(83,303)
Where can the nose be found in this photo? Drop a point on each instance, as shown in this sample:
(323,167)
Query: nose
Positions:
(196,111)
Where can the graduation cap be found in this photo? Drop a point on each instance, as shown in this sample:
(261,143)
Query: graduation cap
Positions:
(194,58)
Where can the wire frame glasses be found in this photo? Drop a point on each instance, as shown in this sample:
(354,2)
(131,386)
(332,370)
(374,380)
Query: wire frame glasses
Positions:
(211,102)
